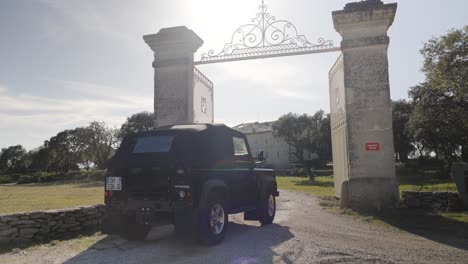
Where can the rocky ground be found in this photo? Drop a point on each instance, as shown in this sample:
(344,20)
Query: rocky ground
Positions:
(303,232)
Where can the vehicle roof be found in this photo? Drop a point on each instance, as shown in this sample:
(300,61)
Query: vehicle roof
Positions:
(194,128)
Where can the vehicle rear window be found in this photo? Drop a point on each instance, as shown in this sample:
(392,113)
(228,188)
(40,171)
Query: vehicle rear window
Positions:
(240,148)
(153,144)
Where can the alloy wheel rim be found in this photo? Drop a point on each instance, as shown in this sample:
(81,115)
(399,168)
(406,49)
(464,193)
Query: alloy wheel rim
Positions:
(217,219)
(271,205)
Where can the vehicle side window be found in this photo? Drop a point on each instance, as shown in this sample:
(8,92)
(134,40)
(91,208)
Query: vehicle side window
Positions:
(240,148)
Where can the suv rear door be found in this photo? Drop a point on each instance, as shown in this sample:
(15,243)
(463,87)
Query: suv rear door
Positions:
(243,173)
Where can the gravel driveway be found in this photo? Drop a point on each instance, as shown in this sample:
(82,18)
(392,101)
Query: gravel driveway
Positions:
(303,232)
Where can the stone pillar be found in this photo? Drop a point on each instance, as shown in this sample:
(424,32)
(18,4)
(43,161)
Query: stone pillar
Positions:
(371,182)
(174,50)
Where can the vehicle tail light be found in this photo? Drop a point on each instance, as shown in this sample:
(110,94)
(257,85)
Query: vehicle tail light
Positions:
(108,196)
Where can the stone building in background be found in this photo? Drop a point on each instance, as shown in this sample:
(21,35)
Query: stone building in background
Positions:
(278,154)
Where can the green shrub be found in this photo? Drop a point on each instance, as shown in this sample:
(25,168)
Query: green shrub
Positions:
(27,179)
(43,177)
(4,179)
(298,172)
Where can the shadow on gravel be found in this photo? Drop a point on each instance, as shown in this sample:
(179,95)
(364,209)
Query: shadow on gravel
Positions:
(429,225)
(243,244)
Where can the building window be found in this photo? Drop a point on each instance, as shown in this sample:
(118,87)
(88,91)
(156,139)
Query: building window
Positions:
(203,105)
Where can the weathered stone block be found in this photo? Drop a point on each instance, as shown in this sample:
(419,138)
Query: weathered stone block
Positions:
(370,194)
(8,232)
(36,215)
(24,227)
(52,223)
(76,228)
(44,230)
(22,240)
(69,220)
(24,222)
(91,222)
(68,225)
(460,176)
(413,203)
(8,218)
(28,231)
(90,211)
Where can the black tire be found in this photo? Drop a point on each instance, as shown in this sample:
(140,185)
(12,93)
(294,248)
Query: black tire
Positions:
(212,232)
(132,230)
(267,209)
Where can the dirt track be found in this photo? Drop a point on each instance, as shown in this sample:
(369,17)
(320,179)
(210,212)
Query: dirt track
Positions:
(303,233)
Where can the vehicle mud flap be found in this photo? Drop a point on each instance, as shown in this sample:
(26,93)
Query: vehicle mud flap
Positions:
(111,224)
(251,215)
(185,221)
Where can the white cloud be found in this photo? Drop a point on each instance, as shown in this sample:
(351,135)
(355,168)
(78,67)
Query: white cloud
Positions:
(20,113)
(86,15)
(3,89)
(307,96)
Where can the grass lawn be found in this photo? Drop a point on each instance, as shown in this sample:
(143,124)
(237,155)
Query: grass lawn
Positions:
(322,187)
(34,197)
(426,181)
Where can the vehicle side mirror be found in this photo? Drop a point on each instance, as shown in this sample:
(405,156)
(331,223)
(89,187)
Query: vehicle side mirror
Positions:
(260,156)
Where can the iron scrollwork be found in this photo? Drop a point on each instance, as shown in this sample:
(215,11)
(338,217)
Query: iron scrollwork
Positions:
(265,36)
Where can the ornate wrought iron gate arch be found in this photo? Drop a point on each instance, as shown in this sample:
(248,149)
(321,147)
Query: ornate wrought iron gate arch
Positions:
(266,37)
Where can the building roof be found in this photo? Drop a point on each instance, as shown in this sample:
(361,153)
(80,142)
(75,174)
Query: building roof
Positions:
(255,127)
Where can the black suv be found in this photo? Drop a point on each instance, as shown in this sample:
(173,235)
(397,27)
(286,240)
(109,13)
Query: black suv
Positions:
(192,176)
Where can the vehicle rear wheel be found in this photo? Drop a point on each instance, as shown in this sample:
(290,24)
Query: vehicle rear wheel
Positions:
(132,230)
(267,209)
(213,221)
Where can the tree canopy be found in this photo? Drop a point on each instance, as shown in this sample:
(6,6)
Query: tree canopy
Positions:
(139,122)
(402,137)
(440,116)
(306,133)
(12,159)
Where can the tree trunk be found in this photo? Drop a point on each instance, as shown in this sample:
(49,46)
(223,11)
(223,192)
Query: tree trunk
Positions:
(308,170)
(465,153)
(403,157)
(446,170)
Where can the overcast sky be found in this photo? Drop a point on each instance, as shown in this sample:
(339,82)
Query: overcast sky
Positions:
(66,63)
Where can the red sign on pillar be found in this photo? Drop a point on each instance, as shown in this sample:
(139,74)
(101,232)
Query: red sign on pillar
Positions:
(372,146)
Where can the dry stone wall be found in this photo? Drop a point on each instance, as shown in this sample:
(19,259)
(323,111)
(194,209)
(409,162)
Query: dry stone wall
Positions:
(444,201)
(47,225)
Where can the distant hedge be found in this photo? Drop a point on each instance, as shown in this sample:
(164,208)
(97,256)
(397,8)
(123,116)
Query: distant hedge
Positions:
(42,177)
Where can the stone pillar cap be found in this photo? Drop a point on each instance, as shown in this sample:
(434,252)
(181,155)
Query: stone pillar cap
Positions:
(370,13)
(176,37)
